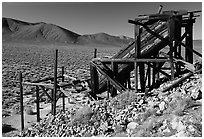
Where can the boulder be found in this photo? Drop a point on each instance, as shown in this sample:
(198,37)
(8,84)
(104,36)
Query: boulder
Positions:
(162,106)
(132,125)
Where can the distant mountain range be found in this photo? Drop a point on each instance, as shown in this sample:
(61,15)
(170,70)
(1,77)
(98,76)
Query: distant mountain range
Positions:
(16,30)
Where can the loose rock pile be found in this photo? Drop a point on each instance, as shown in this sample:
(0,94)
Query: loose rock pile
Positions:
(176,113)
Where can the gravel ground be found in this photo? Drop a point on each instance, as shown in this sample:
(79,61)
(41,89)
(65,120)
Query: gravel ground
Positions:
(176,113)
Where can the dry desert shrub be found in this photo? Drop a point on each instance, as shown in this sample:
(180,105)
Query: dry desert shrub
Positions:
(124,99)
(29,110)
(82,115)
(178,105)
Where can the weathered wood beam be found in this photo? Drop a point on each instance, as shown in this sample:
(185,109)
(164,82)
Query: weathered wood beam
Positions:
(177,82)
(42,84)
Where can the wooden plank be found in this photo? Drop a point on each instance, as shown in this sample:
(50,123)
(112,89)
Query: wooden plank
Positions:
(45,79)
(132,60)
(38,84)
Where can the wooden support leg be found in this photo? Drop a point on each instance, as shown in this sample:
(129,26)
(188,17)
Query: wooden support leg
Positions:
(114,67)
(63,102)
(55,82)
(52,102)
(37,104)
(21,101)
(149,75)
(171,62)
(154,73)
(142,77)
(136,77)
(63,74)
(94,81)
(108,89)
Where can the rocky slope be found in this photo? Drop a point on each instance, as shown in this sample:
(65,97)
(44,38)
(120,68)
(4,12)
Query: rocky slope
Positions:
(176,113)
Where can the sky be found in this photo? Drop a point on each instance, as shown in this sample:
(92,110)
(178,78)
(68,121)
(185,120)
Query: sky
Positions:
(94,17)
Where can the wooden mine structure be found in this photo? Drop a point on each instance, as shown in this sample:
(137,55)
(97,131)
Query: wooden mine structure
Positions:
(158,40)
(153,33)
(57,84)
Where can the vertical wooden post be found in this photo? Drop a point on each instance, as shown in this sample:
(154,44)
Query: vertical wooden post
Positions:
(171,30)
(63,102)
(21,101)
(136,76)
(114,68)
(52,102)
(189,39)
(95,53)
(154,73)
(108,89)
(37,104)
(177,36)
(137,52)
(62,73)
(160,9)
(55,82)
(149,75)
(94,78)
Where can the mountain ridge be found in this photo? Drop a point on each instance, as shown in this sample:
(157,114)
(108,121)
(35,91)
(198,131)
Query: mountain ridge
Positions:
(13,29)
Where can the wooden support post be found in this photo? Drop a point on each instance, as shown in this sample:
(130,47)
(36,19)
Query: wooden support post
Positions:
(108,89)
(157,65)
(172,31)
(94,78)
(52,102)
(137,52)
(94,81)
(95,53)
(62,73)
(177,36)
(149,75)
(55,82)
(171,62)
(189,40)
(21,101)
(63,102)
(37,104)
(136,76)
(114,68)
(142,77)
(154,73)
(128,82)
